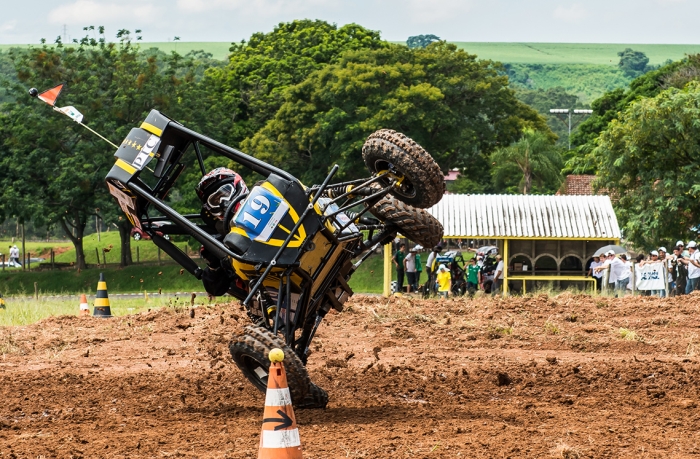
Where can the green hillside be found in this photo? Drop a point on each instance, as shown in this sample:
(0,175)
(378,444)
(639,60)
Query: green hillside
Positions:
(572,53)
(513,53)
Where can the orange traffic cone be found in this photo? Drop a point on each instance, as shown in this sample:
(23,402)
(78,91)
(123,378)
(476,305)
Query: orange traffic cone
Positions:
(84,308)
(280,436)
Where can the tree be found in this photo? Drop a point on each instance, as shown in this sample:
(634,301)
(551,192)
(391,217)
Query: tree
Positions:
(611,104)
(421,41)
(248,92)
(533,158)
(649,160)
(457,107)
(544,100)
(632,62)
(54,169)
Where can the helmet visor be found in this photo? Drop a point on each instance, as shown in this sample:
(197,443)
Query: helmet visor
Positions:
(218,199)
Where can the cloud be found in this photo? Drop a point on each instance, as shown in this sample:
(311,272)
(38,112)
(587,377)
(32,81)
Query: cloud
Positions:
(256,7)
(93,12)
(573,13)
(8,26)
(423,12)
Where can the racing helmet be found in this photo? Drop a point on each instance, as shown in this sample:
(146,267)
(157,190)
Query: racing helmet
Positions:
(217,188)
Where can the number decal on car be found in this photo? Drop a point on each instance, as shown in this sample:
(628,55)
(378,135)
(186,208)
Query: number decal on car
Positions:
(260,214)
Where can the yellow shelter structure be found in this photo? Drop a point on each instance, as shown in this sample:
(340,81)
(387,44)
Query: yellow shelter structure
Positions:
(542,239)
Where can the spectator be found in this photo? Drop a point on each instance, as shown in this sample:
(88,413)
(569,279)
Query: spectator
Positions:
(654,260)
(398,262)
(612,275)
(684,253)
(419,266)
(430,266)
(14,256)
(497,277)
(598,276)
(473,277)
(640,262)
(693,267)
(666,260)
(444,280)
(409,264)
(681,271)
(619,269)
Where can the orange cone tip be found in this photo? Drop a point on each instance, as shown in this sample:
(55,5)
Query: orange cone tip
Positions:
(84,307)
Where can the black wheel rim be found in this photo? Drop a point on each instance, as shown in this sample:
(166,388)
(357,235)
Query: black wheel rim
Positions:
(255,371)
(406,189)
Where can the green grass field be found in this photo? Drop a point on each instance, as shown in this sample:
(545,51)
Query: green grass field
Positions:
(572,53)
(367,279)
(515,53)
(132,279)
(24,311)
(146,250)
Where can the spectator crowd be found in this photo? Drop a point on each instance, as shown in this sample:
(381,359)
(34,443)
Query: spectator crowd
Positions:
(681,267)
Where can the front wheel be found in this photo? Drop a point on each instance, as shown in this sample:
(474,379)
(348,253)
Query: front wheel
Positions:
(419,180)
(416,224)
(250,352)
(137,236)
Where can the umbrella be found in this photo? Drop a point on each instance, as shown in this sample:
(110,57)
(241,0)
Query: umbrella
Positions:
(607,248)
(487,249)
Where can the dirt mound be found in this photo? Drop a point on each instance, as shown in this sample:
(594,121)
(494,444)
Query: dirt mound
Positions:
(569,377)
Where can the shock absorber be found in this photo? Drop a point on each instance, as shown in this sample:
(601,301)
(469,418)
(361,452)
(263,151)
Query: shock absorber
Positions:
(337,190)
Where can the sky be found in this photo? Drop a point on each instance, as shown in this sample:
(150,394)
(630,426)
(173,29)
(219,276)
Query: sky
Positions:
(585,21)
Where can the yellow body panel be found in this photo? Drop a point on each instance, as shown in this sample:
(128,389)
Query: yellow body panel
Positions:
(311,260)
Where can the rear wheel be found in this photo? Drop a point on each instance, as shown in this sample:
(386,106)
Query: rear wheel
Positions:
(416,224)
(250,352)
(137,236)
(420,182)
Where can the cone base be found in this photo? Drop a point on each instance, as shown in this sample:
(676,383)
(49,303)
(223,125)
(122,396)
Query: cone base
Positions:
(104,312)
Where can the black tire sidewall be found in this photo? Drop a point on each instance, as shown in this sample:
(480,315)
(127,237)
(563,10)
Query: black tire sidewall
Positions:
(409,159)
(255,345)
(416,224)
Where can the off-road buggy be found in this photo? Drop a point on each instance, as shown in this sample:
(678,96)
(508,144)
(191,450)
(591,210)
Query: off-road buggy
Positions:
(292,248)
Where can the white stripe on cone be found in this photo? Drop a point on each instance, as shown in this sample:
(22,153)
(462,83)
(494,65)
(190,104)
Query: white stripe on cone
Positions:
(278,397)
(280,438)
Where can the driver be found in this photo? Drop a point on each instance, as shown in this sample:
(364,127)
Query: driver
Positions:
(217,189)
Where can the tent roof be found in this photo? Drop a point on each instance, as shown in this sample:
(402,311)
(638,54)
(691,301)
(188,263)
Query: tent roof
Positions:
(521,216)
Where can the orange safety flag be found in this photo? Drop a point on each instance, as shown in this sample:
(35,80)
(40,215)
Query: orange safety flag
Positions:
(50,95)
(280,436)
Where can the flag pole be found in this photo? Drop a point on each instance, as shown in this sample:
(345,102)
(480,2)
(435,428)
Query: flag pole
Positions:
(93,131)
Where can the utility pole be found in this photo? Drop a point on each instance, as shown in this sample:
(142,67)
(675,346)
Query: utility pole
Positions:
(564,113)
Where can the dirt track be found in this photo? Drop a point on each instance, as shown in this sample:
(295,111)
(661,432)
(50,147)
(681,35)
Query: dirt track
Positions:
(535,377)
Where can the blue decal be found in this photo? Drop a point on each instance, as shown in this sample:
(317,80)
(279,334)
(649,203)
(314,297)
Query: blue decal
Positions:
(260,214)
